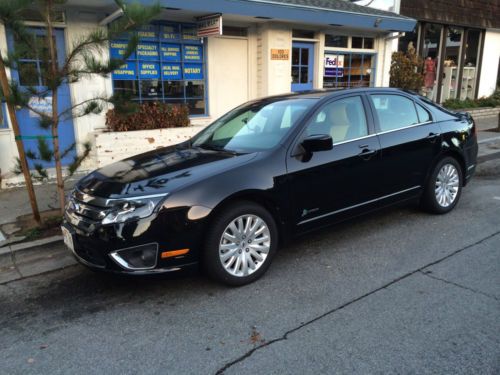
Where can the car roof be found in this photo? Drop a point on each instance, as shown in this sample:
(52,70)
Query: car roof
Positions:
(327,93)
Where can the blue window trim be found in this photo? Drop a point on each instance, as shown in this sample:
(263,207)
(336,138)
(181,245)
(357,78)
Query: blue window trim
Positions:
(349,54)
(159,41)
(3,116)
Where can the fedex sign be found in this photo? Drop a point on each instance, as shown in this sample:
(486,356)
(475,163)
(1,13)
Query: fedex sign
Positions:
(334,65)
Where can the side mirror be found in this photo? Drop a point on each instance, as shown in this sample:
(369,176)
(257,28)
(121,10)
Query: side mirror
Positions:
(317,142)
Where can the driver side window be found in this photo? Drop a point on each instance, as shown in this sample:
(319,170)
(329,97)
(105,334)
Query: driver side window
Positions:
(342,119)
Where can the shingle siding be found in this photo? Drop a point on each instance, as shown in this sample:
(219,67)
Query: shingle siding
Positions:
(471,13)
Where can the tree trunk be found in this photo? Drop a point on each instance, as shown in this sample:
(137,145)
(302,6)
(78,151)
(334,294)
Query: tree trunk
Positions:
(4,82)
(55,113)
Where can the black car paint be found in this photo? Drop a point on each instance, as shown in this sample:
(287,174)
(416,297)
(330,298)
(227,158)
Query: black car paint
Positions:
(352,178)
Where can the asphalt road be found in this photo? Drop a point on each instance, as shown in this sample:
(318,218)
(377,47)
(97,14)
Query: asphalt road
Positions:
(398,291)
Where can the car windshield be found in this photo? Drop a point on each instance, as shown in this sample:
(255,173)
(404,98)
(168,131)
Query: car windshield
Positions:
(253,127)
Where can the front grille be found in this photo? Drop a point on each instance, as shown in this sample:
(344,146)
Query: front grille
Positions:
(84,211)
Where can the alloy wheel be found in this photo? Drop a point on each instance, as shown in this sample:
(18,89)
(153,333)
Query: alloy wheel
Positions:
(244,245)
(447,185)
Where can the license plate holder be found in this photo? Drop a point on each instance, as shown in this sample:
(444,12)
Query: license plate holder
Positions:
(68,239)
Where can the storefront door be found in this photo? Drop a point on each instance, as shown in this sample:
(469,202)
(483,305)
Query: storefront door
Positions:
(30,73)
(302,66)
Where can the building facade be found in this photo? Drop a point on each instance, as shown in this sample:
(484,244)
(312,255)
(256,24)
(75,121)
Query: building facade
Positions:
(266,48)
(460,42)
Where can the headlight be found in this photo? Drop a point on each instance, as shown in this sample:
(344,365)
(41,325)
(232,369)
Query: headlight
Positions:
(133,208)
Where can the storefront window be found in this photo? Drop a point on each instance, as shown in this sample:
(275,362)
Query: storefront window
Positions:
(345,69)
(408,41)
(430,52)
(360,42)
(469,74)
(451,63)
(168,66)
(339,41)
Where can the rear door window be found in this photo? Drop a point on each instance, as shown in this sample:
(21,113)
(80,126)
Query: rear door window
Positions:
(343,119)
(394,111)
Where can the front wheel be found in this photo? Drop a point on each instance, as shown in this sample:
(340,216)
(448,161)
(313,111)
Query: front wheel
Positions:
(444,187)
(241,243)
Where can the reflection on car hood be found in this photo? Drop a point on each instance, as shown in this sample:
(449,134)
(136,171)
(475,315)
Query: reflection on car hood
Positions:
(159,171)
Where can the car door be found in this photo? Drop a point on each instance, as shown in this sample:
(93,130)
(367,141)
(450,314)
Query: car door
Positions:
(409,142)
(333,181)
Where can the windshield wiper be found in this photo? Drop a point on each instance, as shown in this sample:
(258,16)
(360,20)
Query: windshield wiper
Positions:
(217,148)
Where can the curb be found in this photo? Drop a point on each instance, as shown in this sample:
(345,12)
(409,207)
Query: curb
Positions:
(488,140)
(34,258)
(27,245)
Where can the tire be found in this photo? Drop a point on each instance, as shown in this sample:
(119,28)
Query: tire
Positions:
(448,174)
(232,262)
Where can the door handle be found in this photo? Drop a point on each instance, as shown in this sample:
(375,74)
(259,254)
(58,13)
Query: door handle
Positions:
(367,153)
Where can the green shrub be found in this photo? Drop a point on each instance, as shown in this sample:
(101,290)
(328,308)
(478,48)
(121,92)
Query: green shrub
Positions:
(490,101)
(148,116)
(406,71)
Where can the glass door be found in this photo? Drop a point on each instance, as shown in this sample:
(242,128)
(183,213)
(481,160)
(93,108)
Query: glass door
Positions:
(302,66)
(431,52)
(451,63)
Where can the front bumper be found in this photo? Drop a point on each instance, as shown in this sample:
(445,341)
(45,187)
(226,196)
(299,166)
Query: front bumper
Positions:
(96,246)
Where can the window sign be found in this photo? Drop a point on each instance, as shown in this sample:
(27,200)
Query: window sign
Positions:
(193,53)
(169,32)
(118,49)
(148,32)
(126,71)
(193,71)
(147,51)
(171,52)
(172,72)
(334,65)
(189,33)
(168,66)
(149,70)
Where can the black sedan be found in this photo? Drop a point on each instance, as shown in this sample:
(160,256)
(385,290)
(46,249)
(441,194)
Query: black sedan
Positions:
(269,170)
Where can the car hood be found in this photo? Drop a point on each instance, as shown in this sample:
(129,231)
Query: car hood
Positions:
(160,171)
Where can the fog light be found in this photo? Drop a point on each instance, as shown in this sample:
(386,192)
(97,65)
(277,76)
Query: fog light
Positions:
(142,257)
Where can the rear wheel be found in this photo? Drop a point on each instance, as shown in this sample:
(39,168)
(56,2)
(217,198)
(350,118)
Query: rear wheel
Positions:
(240,245)
(444,187)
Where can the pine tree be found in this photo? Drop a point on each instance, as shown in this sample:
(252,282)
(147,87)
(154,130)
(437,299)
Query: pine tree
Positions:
(81,61)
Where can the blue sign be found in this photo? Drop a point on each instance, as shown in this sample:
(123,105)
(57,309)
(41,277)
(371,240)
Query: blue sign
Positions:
(148,32)
(149,70)
(171,52)
(334,72)
(118,49)
(171,72)
(148,51)
(126,71)
(169,32)
(193,71)
(193,53)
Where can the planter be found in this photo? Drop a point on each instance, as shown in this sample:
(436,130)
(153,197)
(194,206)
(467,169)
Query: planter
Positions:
(113,146)
(478,113)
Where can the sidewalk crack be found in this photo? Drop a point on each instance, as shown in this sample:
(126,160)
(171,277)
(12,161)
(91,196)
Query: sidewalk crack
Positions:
(427,273)
(330,312)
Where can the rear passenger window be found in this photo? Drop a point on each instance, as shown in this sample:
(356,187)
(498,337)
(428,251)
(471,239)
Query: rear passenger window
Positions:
(394,112)
(423,115)
(343,119)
